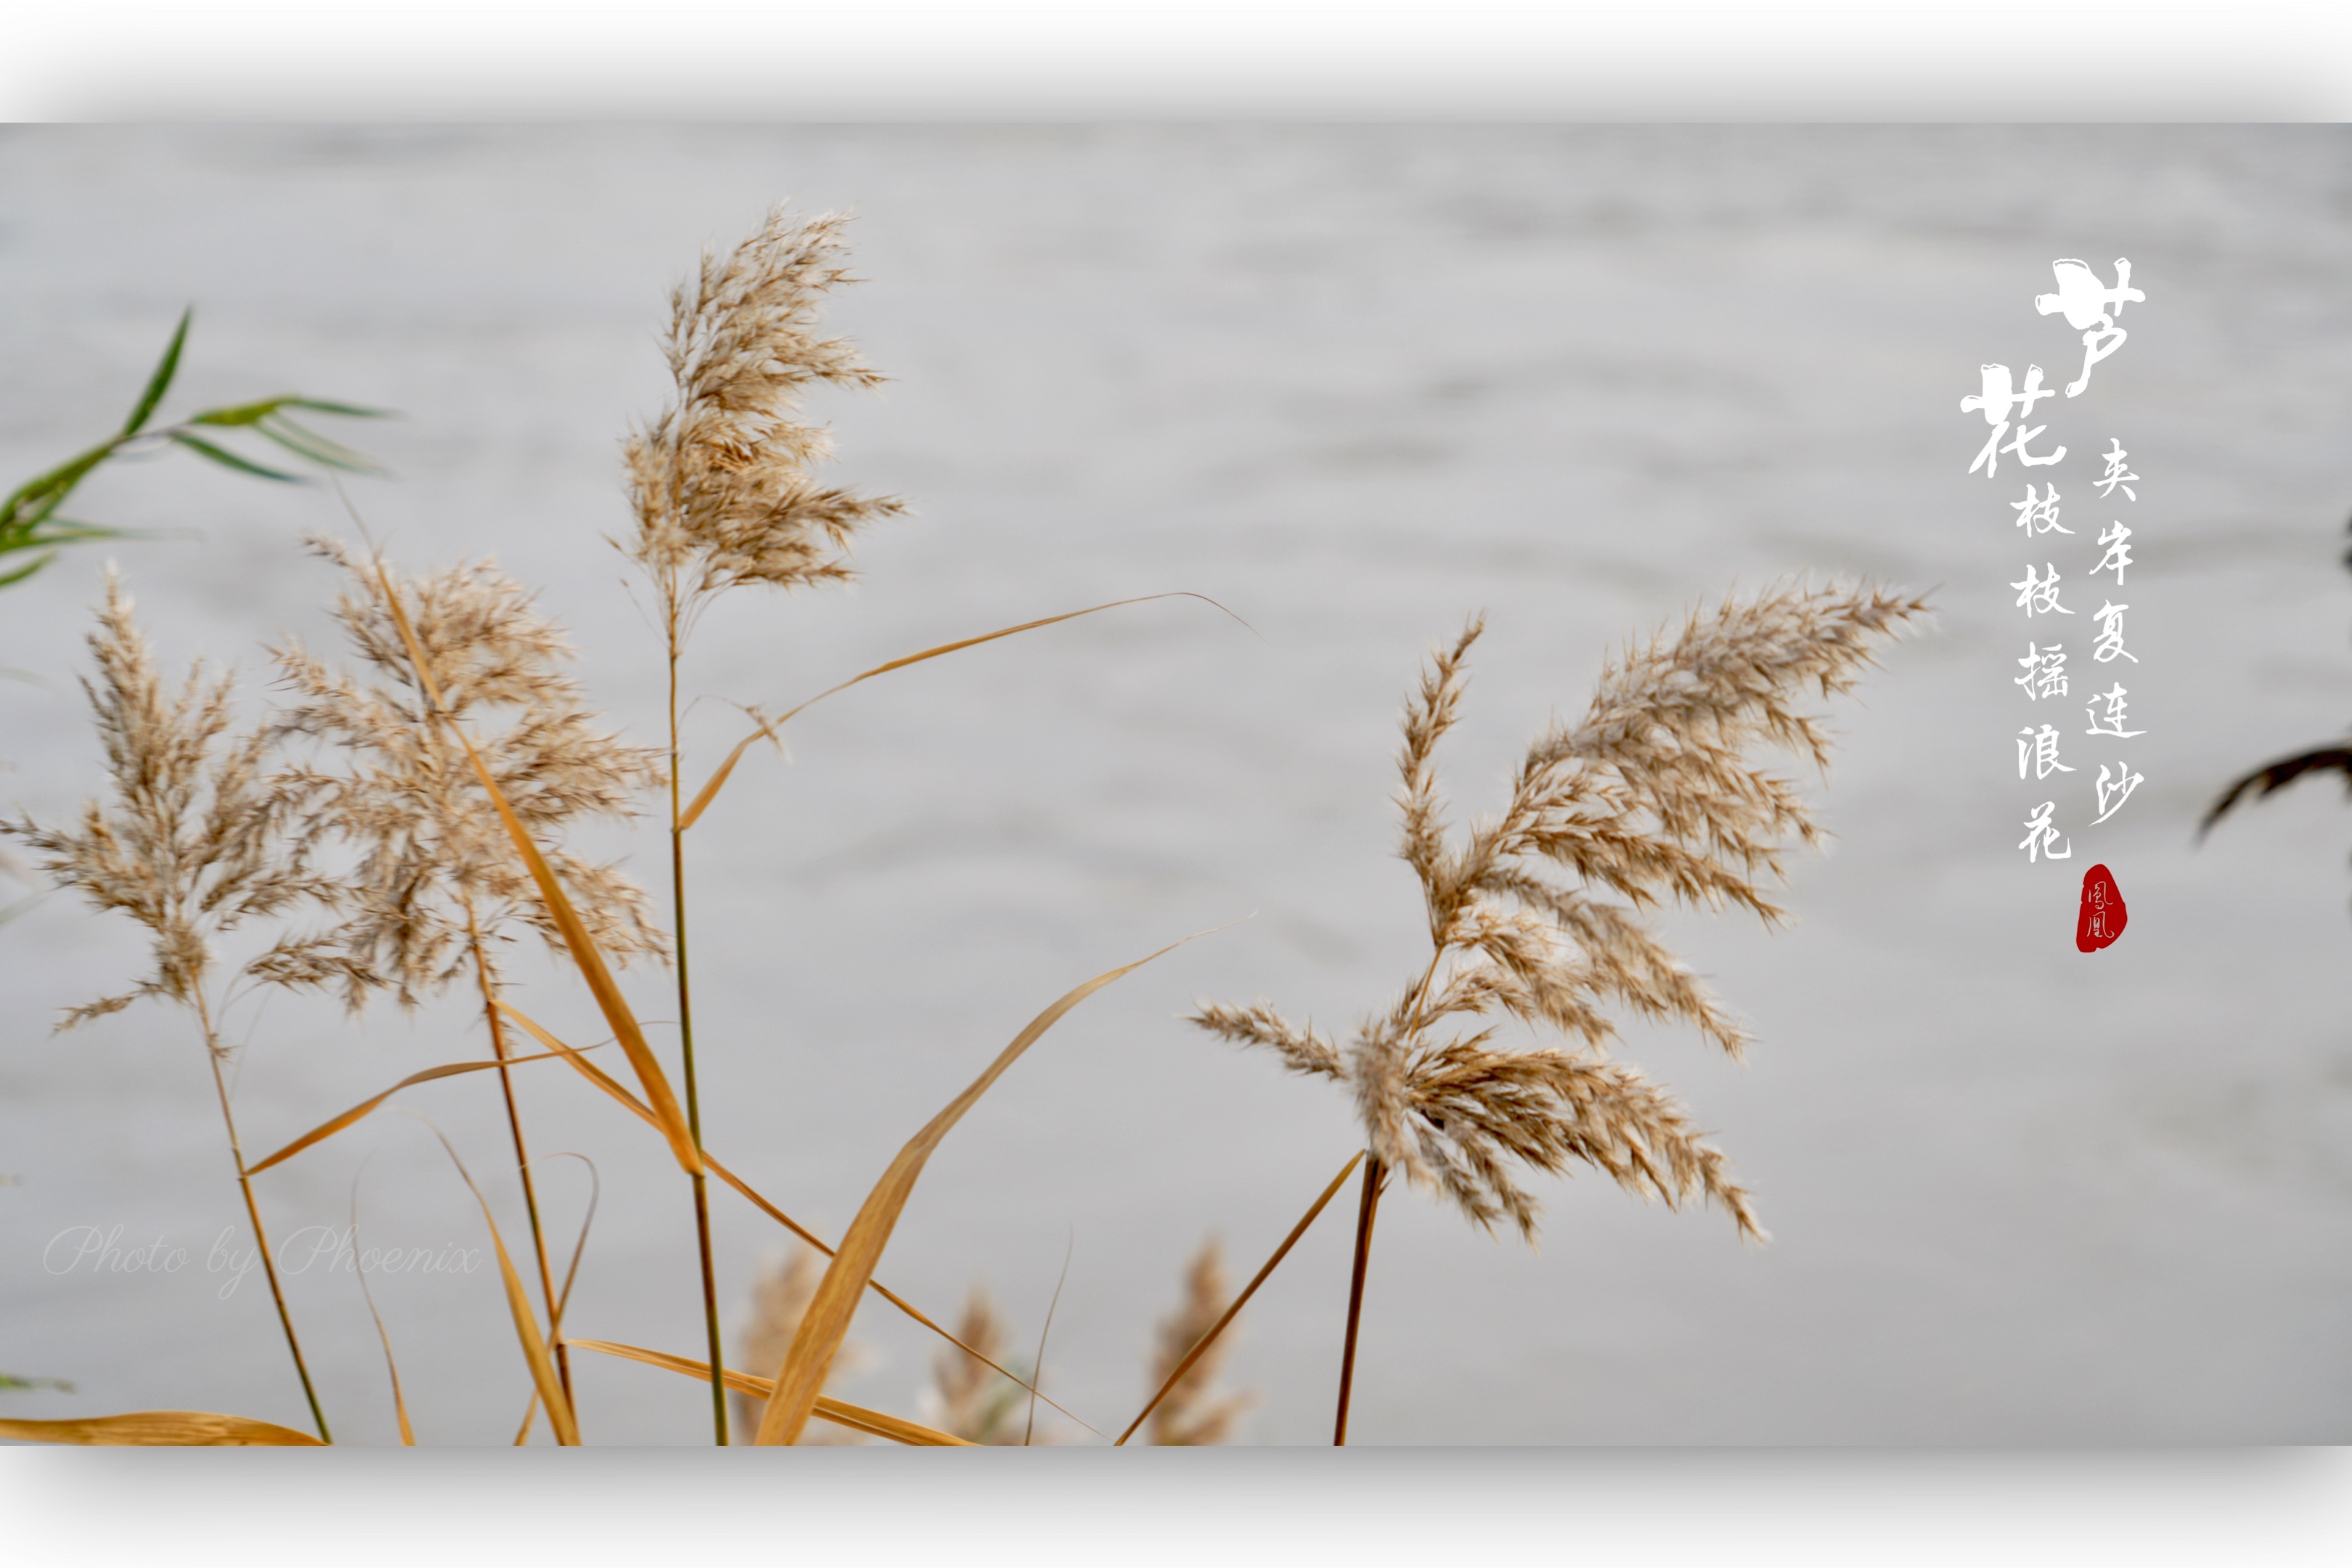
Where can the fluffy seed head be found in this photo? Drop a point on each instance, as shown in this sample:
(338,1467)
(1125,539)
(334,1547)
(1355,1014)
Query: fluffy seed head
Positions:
(1652,795)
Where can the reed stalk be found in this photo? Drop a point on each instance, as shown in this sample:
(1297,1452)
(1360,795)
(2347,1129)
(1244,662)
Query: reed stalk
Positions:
(1367,1205)
(686,1048)
(213,1054)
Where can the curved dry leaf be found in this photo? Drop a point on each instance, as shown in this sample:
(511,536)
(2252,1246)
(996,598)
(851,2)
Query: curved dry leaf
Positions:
(534,1344)
(767,730)
(161,1429)
(826,1323)
(638,1108)
(327,1130)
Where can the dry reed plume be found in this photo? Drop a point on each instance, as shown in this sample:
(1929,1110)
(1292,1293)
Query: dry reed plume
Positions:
(1651,795)
(723,498)
(197,841)
(438,887)
(720,483)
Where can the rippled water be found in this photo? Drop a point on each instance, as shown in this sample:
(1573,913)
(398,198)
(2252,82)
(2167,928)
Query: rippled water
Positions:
(1355,384)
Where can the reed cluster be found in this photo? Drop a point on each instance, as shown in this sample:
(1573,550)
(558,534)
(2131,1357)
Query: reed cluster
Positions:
(401,821)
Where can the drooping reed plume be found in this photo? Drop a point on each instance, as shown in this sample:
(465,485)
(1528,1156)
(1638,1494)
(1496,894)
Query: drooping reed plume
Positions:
(198,839)
(1650,796)
(722,490)
(1195,1413)
(437,893)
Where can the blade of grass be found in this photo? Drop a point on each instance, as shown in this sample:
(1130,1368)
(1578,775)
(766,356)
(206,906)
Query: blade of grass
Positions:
(826,1323)
(161,1429)
(750,1194)
(534,1346)
(585,955)
(839,1411)
(229,459)
(160,381)
(1201,1346)
(1030,1430)
(399,1403)
(767,726)
(327,1130)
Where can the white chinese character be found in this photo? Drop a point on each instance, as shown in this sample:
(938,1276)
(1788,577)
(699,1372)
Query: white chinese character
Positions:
(2111,634)
(2043,754)
(2039,597)
(2119,555)
(2115,714)
(2041,838)
(2039,510)
(2087,302)
(2045,671)
(2126,782)
(2117,473)
(1996,401)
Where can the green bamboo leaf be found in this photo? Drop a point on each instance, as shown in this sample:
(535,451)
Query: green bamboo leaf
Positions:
(230,460)
(42,493)
(160,381)
(309,444)
(321,405)
(238,414)
(21,573)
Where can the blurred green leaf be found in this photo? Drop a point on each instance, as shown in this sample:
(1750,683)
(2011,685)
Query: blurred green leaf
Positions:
(21,573)
(160,381)
(309,444)
(230,460)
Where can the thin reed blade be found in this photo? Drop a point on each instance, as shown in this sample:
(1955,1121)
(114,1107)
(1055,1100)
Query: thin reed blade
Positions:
(327,1130)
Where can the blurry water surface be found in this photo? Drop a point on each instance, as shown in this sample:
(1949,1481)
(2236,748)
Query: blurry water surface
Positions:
(1356,385)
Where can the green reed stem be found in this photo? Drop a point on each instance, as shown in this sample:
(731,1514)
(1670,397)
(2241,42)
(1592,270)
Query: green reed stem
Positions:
(253,1212)
(685,1044)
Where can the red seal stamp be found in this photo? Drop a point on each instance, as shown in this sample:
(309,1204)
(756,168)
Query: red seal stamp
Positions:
(2103,915)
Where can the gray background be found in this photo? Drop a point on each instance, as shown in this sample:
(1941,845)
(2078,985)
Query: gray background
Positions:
(1355,383)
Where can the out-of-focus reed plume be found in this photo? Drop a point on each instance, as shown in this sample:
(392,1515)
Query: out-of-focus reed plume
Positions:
(779,1300)
(1195,1413)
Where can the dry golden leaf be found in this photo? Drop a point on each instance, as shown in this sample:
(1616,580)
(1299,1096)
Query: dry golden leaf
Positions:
(638,1108)
(161,1429)
(839,1411)
(826,1323)
(767,730)
(327,1130)
(534,1344)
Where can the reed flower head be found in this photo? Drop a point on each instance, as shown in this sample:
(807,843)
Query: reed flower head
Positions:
(720,483)
(437,876)
(198,839)
(1650,796)
(1195,1413)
